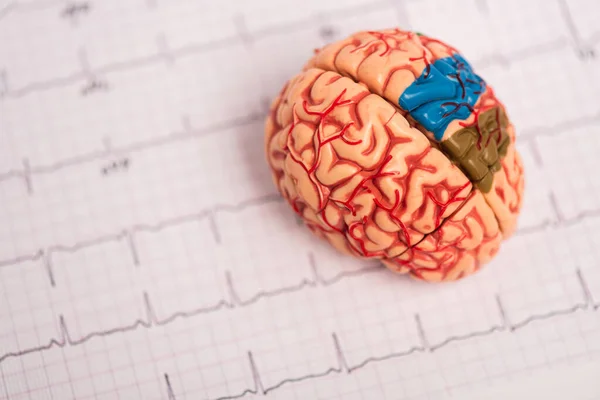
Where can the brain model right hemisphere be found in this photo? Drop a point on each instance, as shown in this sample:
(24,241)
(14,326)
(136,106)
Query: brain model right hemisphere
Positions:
(389,146)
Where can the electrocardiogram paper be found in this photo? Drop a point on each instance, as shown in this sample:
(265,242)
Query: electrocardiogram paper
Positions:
(144,251)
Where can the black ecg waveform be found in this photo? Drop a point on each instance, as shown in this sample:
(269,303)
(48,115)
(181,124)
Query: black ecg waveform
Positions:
(16,5)
(151,319)
(73,10)
(585,50)
(246,37)
(170,393)
(190,49)
(187,133)
(129,234)
(26,172)
(561,127)
(95,84)
(341,364)
(559,219)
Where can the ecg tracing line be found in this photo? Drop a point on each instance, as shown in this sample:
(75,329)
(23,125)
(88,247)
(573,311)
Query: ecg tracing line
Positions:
(40,5)
(235,300)
(531,136)
(302,24)
(150,318)
(183,51)
(192,49)
(185,134)
(170,393)
(189,132)
(341,364)
(566,13)
(27,6)
(129,233)
(559,219)
(523,54)
(569,22)
(160,56)
(564,126)
(26,172)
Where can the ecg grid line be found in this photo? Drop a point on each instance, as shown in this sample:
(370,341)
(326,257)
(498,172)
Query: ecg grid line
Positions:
(95,79)
(343,366)
(234,299)
(151,320)
(129,234)
(26,173)
(584,49)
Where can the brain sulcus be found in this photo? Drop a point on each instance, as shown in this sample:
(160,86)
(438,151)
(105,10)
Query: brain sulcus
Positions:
(390,146)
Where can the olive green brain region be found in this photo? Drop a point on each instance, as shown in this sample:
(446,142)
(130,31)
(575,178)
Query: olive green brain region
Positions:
(390,146)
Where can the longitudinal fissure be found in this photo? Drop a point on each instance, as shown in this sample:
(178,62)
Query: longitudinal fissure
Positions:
(395,149)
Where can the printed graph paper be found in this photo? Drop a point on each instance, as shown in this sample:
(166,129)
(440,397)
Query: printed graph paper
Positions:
(144,252)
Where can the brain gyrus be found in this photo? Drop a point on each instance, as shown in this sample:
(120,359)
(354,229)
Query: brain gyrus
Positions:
(390,146)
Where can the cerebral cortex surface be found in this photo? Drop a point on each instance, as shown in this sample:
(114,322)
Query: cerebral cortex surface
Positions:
(391,147)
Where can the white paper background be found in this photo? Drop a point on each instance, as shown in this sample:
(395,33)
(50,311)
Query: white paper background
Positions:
(144,252)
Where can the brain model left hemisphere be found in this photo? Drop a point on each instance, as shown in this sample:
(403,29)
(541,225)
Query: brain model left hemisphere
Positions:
(390,146)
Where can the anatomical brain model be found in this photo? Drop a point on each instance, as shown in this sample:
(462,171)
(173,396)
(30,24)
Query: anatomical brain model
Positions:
(390,146)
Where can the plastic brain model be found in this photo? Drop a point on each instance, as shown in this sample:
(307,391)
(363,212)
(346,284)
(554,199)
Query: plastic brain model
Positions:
(390,146)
